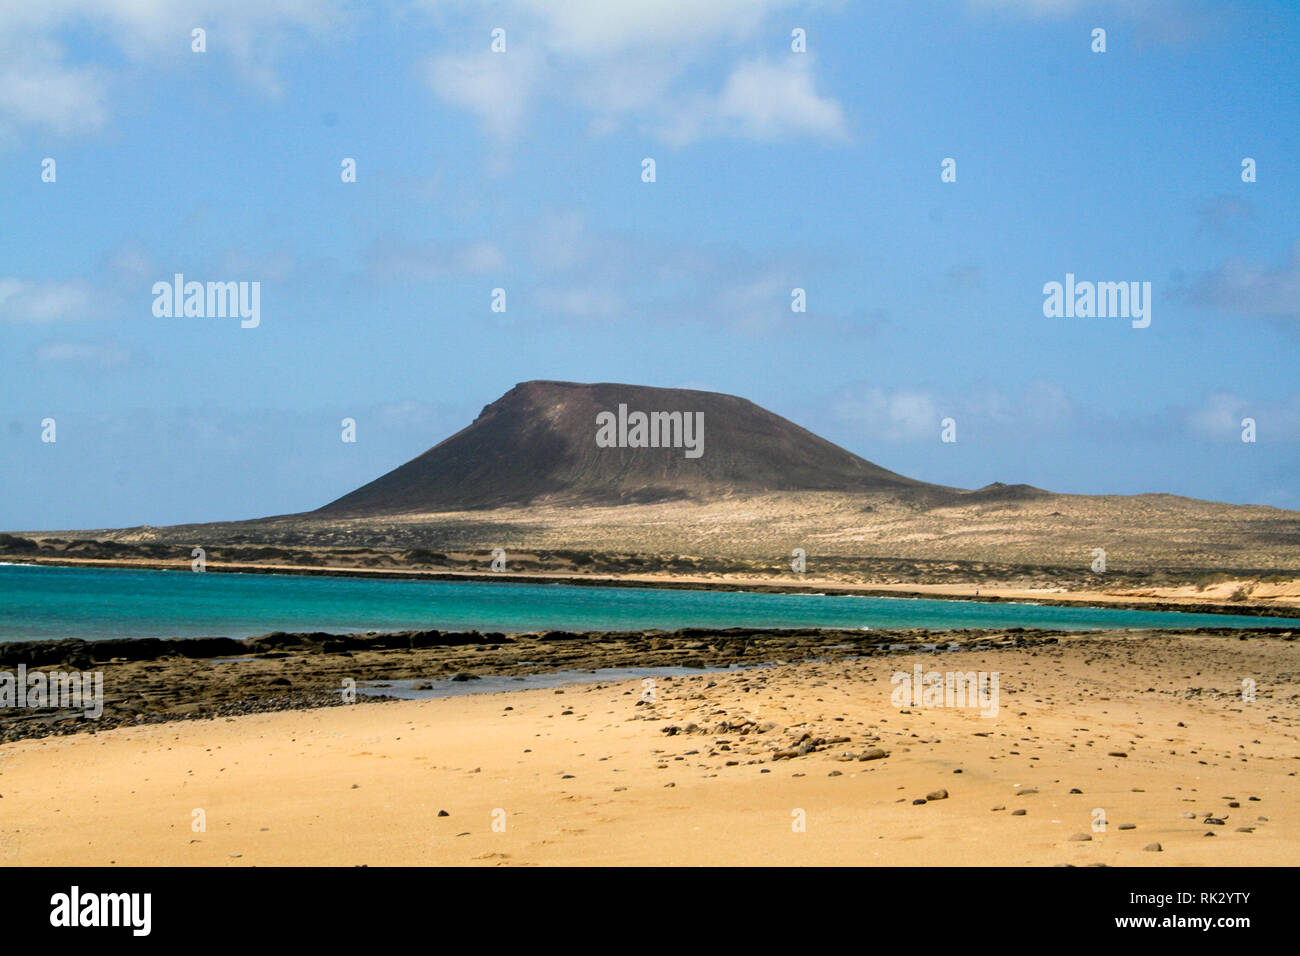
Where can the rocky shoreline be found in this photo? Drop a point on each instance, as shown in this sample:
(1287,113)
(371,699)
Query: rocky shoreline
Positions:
(152,680)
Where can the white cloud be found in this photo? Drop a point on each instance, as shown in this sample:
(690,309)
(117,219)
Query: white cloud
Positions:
(493,86)
(23,300)
(44,89)
(760,100)
(600,27)
(38,90)
(771,101)
(650,62)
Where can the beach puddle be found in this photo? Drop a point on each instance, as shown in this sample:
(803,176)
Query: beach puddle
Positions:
(423,688)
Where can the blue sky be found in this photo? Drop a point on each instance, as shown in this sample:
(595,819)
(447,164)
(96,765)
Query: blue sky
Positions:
(522,170)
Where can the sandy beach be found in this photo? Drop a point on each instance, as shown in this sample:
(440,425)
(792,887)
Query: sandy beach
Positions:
(1151,731)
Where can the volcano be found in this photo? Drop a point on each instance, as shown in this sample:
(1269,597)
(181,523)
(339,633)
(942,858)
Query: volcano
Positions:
(542,442)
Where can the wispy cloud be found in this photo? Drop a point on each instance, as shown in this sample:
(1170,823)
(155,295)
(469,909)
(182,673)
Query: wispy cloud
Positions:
(25,300)
(1219,418)
(588,272)
(84,355)
(496,88)
(912,413)
(581,303)
(394,259)
(1251,288)
(1223,213)
(902,414)
(39,90)
(43,87)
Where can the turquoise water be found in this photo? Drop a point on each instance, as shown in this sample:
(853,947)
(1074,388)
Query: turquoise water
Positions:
(45,602)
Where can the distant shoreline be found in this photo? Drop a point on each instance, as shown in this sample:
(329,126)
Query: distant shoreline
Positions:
(962,592)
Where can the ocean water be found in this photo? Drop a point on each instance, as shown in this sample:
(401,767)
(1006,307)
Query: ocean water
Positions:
(49,602)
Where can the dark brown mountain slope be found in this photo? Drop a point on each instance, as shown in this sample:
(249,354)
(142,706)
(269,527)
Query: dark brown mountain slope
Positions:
(538,442)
